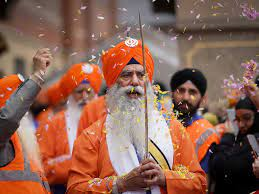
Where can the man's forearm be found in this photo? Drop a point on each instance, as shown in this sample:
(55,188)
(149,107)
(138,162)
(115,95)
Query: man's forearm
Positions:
(19,103)
(16,107)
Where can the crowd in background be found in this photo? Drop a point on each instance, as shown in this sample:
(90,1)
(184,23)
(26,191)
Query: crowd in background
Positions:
(60,113)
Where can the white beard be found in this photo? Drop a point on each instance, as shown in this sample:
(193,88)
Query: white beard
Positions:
(128,115)
(26,132)
(72,116)
(74,109)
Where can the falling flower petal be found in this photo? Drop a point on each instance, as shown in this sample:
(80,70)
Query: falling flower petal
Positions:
(74,53)
(249,12)
(100,17)
(41,35)
(55,49)
(83,7)
(217,57)
(220,5)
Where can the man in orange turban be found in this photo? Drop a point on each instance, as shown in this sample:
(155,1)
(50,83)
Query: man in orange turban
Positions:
(116,59)
(109,155)
(80,84)
(20,163)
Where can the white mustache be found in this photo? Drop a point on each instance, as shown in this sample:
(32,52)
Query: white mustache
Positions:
(129,89)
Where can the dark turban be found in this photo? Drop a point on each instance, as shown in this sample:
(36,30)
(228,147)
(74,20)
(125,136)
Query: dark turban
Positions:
(246,103)
(193,75)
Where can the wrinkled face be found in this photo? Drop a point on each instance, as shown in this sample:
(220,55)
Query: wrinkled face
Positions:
(244,119)
(187,98)
(83,94)
(132,76)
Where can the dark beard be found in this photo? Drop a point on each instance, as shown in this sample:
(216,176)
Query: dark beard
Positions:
(184,114)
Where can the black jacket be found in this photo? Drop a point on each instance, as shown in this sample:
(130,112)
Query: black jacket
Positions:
(231,166)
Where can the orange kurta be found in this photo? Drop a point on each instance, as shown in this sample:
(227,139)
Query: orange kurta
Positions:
(53,142)
(91,161)
(45,115)
(202,134)
(21,175)
(91,113)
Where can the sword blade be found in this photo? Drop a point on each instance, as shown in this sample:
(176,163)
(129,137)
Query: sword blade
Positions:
(145,87)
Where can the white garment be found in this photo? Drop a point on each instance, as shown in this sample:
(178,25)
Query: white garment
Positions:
(28,122)
(72,116)
(123,154)
(26,132)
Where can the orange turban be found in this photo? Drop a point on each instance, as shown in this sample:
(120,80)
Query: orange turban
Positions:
(78,73)
(115,59)
(54,94)
(7,86)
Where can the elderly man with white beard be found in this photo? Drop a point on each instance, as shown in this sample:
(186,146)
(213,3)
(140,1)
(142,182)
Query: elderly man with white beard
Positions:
(80,84)
(109,155)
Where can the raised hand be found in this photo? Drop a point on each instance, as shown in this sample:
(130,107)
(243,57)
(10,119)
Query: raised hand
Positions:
(42,59)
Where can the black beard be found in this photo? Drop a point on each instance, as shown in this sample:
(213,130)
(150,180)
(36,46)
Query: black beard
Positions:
(186,113)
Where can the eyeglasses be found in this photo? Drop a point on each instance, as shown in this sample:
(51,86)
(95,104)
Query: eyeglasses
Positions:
(80,91)
(245,118)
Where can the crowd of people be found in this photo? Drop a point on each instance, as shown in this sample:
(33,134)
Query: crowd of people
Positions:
(67,139)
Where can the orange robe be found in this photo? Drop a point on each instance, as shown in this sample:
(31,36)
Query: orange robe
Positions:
(202,134)
(91,163)
(91,113)
(21,175)
(45,115)
(53,142)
